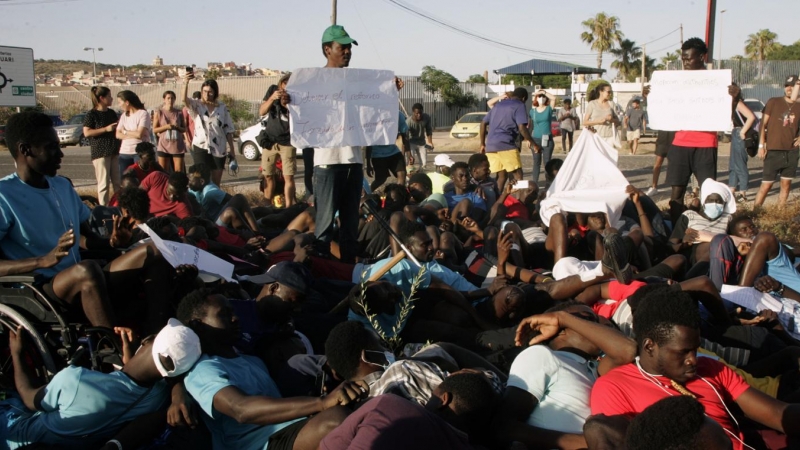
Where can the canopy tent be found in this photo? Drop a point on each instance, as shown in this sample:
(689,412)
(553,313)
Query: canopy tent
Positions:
(545,67)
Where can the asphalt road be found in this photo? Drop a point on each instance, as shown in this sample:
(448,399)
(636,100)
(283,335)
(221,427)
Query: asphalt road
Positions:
(77,166)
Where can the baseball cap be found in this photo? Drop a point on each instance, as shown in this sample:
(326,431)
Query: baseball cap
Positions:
(288,273)
(443,160)
(336,33)
(178,343)
(791,80)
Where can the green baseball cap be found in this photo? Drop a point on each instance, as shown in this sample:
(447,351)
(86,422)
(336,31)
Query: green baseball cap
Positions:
(336,33)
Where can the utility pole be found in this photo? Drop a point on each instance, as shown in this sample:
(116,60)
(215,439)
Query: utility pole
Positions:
(644,60)
(711,19)
(94,59)
(681,35)
(333,14)
(721,34)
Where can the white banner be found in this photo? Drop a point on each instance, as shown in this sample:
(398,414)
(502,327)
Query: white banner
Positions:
(342,107)
(588,182)
(690,100)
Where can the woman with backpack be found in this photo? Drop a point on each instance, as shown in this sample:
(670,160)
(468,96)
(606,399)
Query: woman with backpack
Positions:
(99,125)
(169,127)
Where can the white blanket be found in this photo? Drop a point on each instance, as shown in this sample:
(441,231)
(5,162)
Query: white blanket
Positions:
(588,182)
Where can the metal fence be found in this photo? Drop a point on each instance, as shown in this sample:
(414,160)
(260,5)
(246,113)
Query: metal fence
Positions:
(70,100)
(758,79)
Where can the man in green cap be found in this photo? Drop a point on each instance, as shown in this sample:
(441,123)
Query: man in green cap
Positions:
(338,172)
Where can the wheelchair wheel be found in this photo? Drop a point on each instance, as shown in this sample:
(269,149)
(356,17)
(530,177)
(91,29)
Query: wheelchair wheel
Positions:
(37,354)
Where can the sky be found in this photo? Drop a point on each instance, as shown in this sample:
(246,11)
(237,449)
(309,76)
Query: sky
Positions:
(287,35)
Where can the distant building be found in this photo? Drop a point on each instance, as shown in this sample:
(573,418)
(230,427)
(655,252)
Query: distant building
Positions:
(270,72)
(158,61)
(213,65)
(230,65)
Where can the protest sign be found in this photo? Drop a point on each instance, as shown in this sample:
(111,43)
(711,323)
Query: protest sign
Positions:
(689,100)
(178,253)
(342,107)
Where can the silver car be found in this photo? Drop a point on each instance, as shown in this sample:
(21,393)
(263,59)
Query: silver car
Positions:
(72,132)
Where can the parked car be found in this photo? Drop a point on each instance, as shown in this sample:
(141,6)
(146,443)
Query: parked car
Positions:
(757,106)
(57,122)
(248,142)
(468,126)
(72,132)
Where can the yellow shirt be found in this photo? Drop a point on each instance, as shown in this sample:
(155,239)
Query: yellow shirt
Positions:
(767,385)
(438,181)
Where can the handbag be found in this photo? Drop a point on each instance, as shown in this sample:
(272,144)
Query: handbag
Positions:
(750,139)
(617,143)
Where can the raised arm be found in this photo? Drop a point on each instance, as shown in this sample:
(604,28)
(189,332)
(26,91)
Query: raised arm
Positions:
(748,115)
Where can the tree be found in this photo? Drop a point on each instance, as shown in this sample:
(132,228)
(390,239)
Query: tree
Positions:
(786,52)
(649,67)
(445,87)
(668,59)
(211,74)
(455,97)
(546,81)
(241,111)
(476,79)
(626,54)
(603,32)
(760,45)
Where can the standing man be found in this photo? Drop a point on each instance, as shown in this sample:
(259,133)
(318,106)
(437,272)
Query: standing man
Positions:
(420,131)
(635,123)
(777,145)
(274,107)
(504,122)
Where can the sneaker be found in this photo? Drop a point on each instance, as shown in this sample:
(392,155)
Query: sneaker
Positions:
(650,192)
(741,198)
(615,258)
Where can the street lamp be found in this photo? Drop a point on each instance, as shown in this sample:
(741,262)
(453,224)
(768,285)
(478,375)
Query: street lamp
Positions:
(94,58)
(721,36)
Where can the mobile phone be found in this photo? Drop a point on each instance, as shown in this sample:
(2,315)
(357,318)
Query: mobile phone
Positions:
(189,69)
(428,147)
(503,225)
(521,184)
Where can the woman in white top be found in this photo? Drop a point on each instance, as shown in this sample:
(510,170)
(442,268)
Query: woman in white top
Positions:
(600,113)
(213,127)
(134,127)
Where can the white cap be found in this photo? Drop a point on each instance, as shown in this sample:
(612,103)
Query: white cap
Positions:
(443,160)
(180,344)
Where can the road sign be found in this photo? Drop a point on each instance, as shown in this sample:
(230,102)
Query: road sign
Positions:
(17,83)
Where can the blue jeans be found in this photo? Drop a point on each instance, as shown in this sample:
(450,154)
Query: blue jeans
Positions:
(337,187)
(739,175)
(546,153)
(125,161)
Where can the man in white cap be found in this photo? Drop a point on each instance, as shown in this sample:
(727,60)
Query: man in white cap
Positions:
(441,173)
(81,408)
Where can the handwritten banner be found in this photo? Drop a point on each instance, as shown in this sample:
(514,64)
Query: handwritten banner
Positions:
(690,100)
(342,107)
(178,253)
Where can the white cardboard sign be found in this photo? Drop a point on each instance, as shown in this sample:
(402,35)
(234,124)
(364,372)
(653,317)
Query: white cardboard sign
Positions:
(690,100)
(342,107)
(177,253)
(17,80)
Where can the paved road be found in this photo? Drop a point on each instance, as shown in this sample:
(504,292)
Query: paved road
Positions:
(638,169)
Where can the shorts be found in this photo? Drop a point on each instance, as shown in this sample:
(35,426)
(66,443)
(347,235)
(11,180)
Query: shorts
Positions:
(685,161)
(635,134)
(288,159)
(284,438)
(394,164)
(201,155)
(782,269)
(664,142)
(780,162)
(507,160)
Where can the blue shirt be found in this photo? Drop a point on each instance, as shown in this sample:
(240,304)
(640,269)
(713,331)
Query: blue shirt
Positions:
(212,199)
(385,151)
(504,121)
(81,408)
(541,122)
(248,374)
(453,199)
(32,220)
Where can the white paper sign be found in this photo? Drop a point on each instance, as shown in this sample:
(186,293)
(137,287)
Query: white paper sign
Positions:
(689,100)
(177,253)
(342,107)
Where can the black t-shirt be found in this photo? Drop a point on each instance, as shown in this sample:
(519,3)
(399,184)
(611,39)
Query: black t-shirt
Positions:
(277,120)
(106,144)
(737,122)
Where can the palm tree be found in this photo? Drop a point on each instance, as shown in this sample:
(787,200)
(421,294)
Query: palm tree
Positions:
(649,67)
(759,45)
(670,58)
(603,32)
(626,54)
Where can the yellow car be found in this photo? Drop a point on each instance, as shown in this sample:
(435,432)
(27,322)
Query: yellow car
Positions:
(467,126)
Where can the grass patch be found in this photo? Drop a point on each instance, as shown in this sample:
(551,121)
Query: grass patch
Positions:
(778,221)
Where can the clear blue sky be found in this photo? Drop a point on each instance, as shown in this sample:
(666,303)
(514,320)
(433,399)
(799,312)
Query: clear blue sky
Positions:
(286,34)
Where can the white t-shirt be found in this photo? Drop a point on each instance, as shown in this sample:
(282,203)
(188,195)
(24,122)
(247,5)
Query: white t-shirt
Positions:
(139,119)
(561,381)
(338,155)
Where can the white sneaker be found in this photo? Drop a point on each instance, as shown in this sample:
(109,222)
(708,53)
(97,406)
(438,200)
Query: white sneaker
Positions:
(651,191)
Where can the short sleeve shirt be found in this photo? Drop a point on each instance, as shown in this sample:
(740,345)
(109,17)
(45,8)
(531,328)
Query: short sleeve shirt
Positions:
(132,122)
(32,220)
(636,118)
(504,121)
(212,199)
(541,121)
(106,144)
(782,127)
(385,151)
(417,131)
(210,127)
(160,205)
(210,375)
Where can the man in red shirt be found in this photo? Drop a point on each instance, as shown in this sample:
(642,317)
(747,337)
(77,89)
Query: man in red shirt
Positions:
(168,194)
(667,328)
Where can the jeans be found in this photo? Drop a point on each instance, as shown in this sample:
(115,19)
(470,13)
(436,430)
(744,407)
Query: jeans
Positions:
(308,170)
(546,153)
(338,188)
(125,161)
(739,175)
(420,154)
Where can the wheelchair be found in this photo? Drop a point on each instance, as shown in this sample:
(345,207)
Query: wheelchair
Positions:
(55,337)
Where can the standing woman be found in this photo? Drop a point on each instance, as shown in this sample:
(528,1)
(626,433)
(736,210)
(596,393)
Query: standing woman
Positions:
(543,144)
(743,120)
(213,127)
(168,125)
(600,113)
(98,126)
(568,121)
(134,127)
